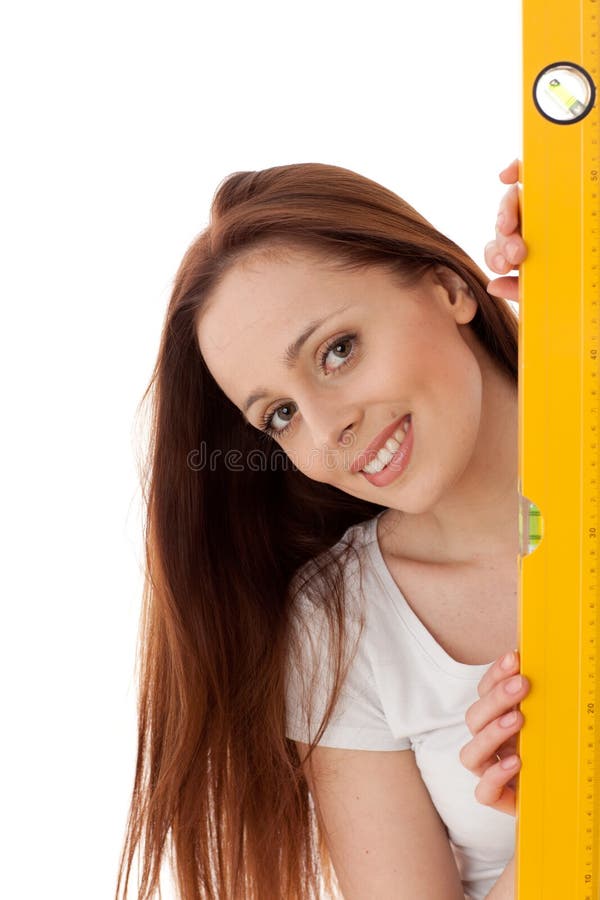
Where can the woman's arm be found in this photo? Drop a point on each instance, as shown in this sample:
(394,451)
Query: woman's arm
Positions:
(504,889)
(385,836)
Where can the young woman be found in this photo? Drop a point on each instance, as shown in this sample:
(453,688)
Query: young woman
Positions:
(331,547)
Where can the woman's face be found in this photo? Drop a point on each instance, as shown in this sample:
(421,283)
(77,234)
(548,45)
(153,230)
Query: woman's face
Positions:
(378,352)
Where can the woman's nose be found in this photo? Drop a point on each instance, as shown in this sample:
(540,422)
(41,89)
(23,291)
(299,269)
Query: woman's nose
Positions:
(332,425)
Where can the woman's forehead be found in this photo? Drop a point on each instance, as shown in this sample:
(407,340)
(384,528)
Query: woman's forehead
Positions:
(268,294)
(278,290)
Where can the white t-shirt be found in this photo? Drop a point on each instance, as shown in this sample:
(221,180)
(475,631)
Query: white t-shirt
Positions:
(402,691)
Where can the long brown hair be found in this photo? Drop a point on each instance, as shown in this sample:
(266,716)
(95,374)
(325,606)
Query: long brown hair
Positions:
(218,786)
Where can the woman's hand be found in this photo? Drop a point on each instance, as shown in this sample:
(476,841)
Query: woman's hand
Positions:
(508,250)
(494,721)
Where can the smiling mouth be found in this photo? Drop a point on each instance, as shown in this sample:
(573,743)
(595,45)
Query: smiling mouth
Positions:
(380,475)
(372,461)
(386,453)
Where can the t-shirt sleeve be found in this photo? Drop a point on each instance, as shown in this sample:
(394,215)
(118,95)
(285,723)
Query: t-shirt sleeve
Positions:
(357,721)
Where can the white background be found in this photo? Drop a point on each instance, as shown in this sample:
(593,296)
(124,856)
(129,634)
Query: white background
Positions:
(119,121)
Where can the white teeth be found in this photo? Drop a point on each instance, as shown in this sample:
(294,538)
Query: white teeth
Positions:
(385,453)
(376,465)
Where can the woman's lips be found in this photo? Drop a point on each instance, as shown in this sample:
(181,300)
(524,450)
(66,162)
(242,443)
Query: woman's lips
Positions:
(371,451)
(396,465)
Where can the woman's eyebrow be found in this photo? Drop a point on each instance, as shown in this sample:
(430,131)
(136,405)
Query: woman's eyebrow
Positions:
(292,353)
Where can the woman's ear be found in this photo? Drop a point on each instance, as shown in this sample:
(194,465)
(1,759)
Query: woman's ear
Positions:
(459,293)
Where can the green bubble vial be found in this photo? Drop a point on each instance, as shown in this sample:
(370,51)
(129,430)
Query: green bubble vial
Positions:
(530,526)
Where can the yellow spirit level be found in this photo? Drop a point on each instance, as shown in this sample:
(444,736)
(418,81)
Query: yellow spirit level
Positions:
(558,801)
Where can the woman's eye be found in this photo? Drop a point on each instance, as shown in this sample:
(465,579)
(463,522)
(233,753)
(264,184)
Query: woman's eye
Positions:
(334,347)
(267,423)
(343,350)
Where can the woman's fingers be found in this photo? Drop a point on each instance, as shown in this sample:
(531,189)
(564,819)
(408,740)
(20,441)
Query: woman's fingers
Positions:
(507,288)
(502,668)
(510,175)
(508,219)
(499,737)
(505,252)
(508,250)
(496,786)
(499,700)
(503,256)
(495,722)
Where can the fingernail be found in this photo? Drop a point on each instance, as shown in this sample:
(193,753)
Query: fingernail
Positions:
(514,685)
(512,249)
(499,262)
(509,719)
(508,661)
(511,762)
